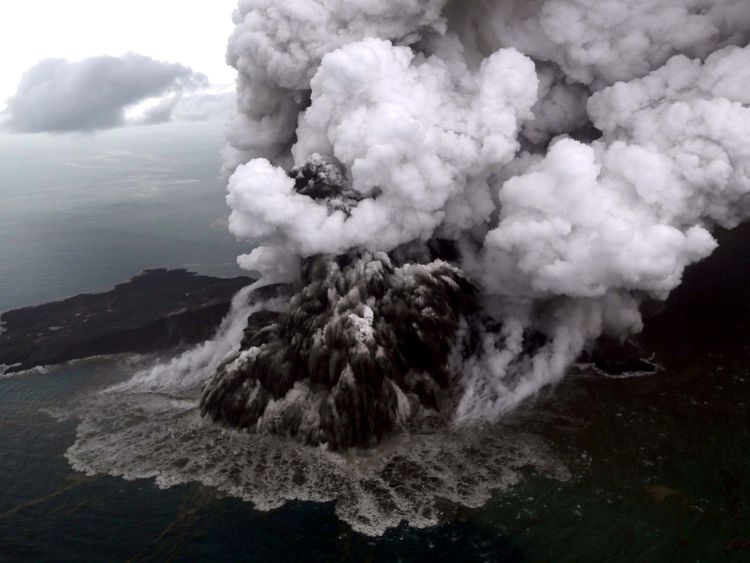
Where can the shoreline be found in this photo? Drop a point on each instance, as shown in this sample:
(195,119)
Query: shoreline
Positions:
(157,310)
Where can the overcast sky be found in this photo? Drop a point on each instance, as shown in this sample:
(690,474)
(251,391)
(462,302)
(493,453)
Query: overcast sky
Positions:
(190,32)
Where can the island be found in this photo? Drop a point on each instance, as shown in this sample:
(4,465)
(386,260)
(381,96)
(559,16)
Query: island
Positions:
(157,310)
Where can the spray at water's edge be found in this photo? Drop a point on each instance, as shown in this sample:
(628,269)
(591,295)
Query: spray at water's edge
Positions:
(150,427)
(190,370)
(155,436)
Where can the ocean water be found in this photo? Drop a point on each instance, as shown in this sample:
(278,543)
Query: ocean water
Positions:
(659,465)
(48,512)
(659,473)
(82,213)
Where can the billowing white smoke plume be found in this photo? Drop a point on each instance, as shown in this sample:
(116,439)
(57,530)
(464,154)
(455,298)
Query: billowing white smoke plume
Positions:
(277,48)
(577,151)
(600,43)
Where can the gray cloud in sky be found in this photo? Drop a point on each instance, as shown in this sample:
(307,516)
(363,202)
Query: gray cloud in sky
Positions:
(60,96)
(194,106)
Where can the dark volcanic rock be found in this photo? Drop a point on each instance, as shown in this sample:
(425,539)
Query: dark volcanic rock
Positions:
(618,359)
(157,310)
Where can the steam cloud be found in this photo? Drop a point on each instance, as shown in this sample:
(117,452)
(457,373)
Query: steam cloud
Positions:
(60,96)
(576,153)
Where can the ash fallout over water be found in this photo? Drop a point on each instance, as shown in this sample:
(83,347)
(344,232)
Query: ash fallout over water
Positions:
(451,201)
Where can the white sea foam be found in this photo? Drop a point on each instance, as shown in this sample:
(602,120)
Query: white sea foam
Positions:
(138,435)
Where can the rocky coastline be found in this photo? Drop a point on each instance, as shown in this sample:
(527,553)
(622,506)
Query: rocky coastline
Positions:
(155,311)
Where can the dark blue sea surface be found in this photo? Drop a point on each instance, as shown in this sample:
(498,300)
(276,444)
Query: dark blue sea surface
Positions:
(660,473)
(50,513)
(83,213)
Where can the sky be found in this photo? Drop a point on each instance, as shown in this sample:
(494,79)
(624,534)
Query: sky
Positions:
(190,32)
